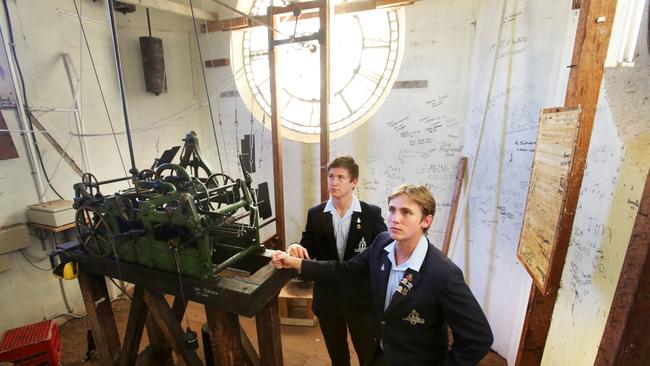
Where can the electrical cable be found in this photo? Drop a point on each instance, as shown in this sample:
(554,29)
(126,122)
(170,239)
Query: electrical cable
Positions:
(24,93)
(99,85)
(32,263)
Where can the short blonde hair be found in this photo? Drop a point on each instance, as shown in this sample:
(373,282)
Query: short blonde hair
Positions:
(420,194)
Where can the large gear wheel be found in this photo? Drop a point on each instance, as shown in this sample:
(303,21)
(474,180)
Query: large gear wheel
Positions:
(94,231)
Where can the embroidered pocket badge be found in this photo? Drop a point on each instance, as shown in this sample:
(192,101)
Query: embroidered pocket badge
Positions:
(362,246)
(414,318)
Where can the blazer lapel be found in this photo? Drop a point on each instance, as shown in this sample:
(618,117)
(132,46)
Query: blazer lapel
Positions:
(383,273)
(354,235)
(328,230)
(405,288)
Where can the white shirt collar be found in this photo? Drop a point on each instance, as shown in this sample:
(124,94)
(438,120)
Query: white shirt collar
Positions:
(417,257)
(354,207)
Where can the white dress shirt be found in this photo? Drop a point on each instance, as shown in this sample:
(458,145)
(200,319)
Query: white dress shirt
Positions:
(341,225)
(397,272)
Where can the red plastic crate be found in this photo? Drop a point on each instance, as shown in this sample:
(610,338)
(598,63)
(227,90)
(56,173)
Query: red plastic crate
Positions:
(31,345)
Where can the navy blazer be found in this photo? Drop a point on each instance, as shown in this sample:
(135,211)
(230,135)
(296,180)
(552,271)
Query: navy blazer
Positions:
(414,326)
(318,238)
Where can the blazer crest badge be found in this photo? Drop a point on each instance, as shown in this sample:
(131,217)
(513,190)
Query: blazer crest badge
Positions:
(362,246)
(414,318)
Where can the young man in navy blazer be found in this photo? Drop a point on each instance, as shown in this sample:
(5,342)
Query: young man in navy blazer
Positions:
(416,291)
(337,230)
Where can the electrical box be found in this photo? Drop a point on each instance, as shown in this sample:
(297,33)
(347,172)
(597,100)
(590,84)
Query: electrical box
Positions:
(13,238)
(53,213)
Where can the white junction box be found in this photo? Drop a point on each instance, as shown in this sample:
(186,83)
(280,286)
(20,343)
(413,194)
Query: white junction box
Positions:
(53,213)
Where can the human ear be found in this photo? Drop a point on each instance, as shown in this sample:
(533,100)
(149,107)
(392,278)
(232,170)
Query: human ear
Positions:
(426,221)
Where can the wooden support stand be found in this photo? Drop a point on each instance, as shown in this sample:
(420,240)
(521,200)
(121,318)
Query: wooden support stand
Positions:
(224,298)
(295,302)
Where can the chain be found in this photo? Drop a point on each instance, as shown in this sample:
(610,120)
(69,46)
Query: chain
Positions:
(180,281)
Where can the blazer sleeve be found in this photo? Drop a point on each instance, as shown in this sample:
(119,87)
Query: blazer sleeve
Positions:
(308,235)
(332,271)
(470,329)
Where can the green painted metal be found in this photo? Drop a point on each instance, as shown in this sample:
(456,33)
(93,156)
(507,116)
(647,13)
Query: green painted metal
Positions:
(171,220)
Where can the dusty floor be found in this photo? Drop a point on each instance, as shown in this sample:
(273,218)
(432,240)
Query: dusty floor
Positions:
(301,346)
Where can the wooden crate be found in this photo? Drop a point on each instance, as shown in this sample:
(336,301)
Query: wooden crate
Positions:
(295,302)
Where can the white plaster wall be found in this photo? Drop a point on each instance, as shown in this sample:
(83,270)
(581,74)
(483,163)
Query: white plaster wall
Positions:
(532,49)
(415,136)
(617,166)
(43,30)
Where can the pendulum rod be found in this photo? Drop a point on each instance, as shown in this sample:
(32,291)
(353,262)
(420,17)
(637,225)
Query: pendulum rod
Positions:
(118,63)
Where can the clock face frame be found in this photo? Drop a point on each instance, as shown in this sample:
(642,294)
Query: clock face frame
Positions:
(366,49)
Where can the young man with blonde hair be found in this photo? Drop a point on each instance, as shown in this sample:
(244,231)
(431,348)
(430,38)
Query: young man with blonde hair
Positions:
(337,230)
(416,291)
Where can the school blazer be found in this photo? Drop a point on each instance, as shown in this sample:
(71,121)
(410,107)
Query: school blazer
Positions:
(413,328)
(318,238)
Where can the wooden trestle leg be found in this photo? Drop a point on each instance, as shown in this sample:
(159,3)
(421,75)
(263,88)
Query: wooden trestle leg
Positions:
(268,334)
(100,316)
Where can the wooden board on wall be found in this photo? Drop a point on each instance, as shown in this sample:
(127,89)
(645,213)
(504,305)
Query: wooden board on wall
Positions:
(556,142)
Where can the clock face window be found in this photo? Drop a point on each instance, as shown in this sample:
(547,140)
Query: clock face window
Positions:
(365,52)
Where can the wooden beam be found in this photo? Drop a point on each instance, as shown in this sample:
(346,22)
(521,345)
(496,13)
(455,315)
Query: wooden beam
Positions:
(100,316)
(134,328)
(7,147)
(590,50)
(172,7)
(268,330)
(624,339)
(170,327)
(340,8)
(68,159)
(324,42)
(159,352)
(276,136)
(460,175)
(225,333)
(217,62)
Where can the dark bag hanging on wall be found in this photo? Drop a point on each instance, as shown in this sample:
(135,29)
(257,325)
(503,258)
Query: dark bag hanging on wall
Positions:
(153,62)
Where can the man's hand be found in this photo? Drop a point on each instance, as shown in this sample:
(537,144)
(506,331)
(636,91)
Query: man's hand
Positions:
(281,260)
(298,251)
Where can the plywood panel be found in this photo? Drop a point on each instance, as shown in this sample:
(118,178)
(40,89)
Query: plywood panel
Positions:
(556,141)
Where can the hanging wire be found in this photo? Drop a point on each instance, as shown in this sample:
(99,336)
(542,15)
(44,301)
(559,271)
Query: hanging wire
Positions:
(236,127)
(262,138)
(218,97)
(205,84)
(101,90)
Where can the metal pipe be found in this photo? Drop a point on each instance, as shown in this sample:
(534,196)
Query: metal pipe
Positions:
(113,180)
(22,119)
(265,223)
(235,258)
(118,63)
(73,79)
